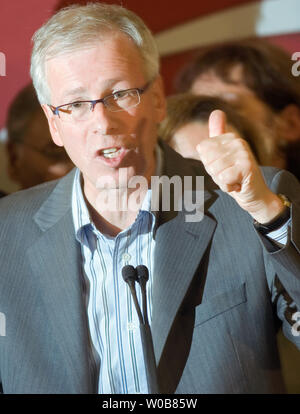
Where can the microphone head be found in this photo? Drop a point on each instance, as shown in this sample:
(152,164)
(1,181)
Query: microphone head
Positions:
(129,273)
(142,272)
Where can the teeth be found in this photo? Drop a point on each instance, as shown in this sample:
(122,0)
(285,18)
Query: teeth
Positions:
(111,152)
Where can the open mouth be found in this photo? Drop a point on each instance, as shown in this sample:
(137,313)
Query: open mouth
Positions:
(111,152)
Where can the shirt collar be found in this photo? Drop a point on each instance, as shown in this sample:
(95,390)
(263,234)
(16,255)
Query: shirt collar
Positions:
(81,216)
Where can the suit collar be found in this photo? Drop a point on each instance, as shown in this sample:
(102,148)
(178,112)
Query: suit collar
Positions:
(175,165)
(57,204)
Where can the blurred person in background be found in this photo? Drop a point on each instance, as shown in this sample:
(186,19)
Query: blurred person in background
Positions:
(186,123)
(256,76)
(33,158)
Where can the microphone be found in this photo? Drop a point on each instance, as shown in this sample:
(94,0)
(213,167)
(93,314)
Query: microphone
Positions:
(129,275)
(142,278)
(146,335)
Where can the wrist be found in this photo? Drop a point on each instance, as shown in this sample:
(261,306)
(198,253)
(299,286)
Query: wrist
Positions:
(272,208)
(278,221)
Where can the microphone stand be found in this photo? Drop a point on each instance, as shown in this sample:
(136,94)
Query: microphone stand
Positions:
(130,276)
(146,335)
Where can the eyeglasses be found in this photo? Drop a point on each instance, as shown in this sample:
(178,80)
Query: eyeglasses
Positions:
(116,102)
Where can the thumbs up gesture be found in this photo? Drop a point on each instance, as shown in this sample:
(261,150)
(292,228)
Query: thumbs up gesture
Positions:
(229,161)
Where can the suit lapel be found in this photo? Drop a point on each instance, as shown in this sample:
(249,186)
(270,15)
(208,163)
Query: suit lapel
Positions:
(55,262)
(179,248)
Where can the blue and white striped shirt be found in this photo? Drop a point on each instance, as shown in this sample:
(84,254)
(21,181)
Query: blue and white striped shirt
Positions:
(113,320)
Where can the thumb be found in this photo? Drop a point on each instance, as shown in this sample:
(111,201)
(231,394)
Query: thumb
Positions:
(217,123)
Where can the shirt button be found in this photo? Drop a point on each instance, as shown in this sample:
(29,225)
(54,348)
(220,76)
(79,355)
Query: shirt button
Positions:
(126,257)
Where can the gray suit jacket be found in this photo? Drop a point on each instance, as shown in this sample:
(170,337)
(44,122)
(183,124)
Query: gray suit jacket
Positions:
(218,288)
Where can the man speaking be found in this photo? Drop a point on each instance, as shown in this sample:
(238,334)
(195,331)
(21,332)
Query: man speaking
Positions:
(217,287)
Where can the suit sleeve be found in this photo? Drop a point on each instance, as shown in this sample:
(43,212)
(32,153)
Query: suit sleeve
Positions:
(283,265)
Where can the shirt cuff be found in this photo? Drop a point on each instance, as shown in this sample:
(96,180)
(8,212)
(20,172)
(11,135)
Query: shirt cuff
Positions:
(280,236)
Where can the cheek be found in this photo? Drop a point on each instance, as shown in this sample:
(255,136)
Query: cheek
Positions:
(144,127)
(184,147)
(146,136)
(73,139)
(141,128)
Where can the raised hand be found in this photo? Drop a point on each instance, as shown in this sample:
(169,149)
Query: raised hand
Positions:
(229,161)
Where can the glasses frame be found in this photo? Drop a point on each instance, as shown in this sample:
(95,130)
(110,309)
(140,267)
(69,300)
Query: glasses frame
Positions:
(94,102)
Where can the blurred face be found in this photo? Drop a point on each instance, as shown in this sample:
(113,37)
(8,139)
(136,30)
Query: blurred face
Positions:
(252,106)
(266,124)
(37,159)
(187,137)
(107,141)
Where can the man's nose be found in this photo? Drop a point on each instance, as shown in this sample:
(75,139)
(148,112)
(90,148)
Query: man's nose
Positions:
(105,121)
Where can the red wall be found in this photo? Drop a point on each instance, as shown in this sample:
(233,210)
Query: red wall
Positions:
(162,14)
(19,19)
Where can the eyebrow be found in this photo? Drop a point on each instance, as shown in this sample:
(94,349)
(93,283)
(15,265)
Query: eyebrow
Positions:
(77,91)
(81,90)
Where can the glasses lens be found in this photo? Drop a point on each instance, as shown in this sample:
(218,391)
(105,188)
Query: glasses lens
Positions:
(119,101)
(77,111)
(122,100)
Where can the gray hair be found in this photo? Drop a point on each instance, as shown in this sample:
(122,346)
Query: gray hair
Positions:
(77,27)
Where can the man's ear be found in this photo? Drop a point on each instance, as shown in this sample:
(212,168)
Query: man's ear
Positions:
(52,125)
(159,99)
(289,123)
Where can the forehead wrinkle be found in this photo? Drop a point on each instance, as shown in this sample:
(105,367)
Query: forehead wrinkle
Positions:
(79,90)
(106,85)
(115,58)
